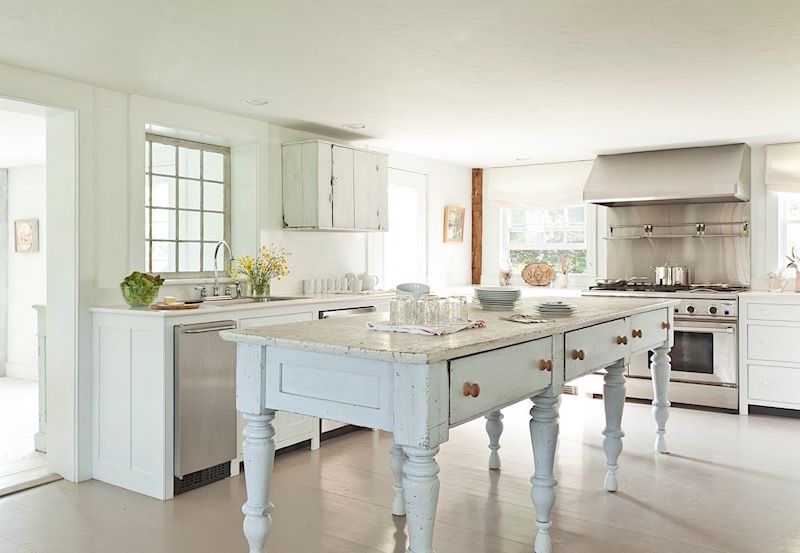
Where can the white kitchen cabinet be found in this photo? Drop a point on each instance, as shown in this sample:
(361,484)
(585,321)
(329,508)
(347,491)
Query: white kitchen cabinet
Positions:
(769,358)
(133,384)
(290,428)
(327,186)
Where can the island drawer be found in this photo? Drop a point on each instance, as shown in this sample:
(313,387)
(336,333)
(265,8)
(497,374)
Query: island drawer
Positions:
(595,347)
(773,343)
(648,330)
(486,381)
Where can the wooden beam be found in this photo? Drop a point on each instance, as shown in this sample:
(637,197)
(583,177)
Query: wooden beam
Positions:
(477,224)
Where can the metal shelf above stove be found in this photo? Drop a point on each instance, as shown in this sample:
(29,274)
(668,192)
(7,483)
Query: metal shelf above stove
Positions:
(648,230)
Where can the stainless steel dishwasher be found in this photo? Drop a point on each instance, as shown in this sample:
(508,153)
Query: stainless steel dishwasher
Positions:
(205,404)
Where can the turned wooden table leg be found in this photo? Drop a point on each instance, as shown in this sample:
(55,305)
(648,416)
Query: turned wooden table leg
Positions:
(660,367)
(259,457)
(398,458)
(614,401)
(421,488)
(544,438)
(494,428)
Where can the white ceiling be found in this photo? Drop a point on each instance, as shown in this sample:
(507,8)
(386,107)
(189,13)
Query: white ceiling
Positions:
(473,82)
(22,139)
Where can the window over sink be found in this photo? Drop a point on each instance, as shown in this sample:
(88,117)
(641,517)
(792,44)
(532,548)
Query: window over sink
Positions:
(187,205)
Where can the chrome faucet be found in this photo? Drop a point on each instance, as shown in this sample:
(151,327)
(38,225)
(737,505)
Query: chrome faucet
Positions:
(215,291)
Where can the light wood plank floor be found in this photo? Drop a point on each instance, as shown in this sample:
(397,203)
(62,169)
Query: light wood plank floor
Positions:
(731,485)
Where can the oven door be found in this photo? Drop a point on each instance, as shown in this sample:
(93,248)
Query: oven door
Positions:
(705,351)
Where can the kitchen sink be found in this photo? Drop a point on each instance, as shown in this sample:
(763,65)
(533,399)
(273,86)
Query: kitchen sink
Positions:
(239,301)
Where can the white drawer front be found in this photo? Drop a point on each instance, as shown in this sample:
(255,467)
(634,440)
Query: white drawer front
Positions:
(773,343)
(653,328)
(773,312)
(598,345)
(502,376)
(781,384)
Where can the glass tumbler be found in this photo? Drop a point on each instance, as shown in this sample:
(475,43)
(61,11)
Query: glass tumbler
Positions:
(401,310)
(423,307)
(457,311)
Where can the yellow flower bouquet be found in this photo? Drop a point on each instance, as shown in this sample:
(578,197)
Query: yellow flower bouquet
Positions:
(269,263)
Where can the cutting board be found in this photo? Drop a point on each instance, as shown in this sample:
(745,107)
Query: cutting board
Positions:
(173,306)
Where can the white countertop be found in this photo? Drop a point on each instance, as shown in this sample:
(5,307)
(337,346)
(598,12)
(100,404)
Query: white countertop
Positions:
(349,336)
(223,306)
(786,295)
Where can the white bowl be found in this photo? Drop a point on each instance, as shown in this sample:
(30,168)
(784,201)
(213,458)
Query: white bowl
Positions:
(413,289)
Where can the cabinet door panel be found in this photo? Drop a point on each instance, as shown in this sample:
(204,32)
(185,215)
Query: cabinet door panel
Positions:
(368,179)
(342,175)
(292,159)
(323,179)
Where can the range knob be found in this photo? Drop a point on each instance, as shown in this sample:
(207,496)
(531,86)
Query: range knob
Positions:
(712,310)
(690,308)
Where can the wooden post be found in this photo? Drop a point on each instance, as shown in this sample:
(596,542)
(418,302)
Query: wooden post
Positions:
(477,224)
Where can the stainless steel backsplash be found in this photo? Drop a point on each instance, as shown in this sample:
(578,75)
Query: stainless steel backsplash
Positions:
(713,259)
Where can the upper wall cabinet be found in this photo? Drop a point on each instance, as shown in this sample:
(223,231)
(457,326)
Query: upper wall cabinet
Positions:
(332,187)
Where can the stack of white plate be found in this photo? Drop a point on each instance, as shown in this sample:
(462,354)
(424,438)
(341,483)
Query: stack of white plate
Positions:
(497,298)
(555,309)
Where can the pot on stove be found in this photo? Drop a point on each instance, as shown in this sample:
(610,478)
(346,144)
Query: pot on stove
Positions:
(673,275)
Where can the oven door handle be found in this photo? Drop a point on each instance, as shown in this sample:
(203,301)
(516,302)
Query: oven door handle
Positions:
(726,330)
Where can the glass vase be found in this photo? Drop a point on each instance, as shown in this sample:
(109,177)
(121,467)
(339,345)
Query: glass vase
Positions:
(259,289)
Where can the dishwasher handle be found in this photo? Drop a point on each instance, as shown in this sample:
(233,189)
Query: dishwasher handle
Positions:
(230,326)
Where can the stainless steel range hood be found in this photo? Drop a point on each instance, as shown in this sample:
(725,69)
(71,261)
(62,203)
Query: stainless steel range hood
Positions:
(686,175)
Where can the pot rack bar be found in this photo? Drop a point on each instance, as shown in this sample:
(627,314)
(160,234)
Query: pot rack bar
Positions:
(700,230)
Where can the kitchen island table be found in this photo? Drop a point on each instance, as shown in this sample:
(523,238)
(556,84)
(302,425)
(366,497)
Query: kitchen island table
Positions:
(418,387)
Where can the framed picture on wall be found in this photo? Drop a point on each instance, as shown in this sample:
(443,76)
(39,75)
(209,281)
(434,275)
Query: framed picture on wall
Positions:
(454,223)
(26,235)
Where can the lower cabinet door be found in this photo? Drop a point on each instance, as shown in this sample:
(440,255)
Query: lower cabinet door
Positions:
(482,382)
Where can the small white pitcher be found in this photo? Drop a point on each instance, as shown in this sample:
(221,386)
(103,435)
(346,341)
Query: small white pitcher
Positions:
(368,281)
(777,283)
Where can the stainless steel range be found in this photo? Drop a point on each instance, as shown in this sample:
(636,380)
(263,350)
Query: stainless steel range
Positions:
(705,354)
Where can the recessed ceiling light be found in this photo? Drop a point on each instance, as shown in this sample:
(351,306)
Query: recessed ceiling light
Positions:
(523,159)
(256,101)
(355,126)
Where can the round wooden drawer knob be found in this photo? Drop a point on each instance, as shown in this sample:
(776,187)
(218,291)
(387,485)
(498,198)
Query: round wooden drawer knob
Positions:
(622,340)
(545,365)
(578,354)
(636,333)
(471,389)
(666,325)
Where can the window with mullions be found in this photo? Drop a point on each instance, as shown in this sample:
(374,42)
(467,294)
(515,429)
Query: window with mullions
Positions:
(542,235)
(187,205)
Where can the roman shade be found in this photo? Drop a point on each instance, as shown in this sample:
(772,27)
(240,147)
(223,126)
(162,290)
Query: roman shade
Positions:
(549,185)
(783,167)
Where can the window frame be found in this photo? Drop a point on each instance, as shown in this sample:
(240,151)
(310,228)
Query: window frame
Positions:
(590,238)
(783,226)
(226,211)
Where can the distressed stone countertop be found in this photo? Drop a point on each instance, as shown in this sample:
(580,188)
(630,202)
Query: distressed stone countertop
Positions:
(348,336)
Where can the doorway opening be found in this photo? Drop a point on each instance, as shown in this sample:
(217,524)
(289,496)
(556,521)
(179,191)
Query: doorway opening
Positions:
(23,296)
(405,243)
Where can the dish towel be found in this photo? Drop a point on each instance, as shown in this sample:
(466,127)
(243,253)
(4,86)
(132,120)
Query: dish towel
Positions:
(384,326)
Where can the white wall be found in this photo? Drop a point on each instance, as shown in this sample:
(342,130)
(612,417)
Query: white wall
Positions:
(27,272)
